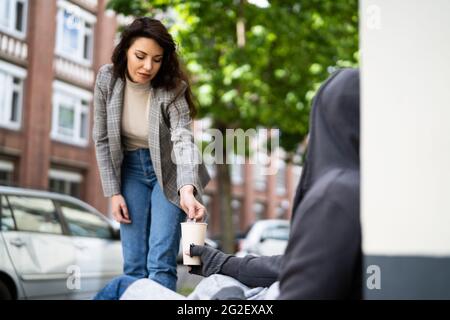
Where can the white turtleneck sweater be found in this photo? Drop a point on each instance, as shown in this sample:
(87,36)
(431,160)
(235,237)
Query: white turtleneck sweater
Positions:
(136,103)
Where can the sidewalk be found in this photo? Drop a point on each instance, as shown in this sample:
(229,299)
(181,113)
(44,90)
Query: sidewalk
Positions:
(186,281)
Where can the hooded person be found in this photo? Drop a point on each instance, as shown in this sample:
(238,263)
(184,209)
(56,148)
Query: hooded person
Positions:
(323,258)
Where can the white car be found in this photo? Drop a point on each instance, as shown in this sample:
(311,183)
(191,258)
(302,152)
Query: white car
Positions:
(54,246)
(265,238)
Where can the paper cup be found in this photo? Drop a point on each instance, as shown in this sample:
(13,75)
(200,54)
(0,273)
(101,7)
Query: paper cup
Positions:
(192,232)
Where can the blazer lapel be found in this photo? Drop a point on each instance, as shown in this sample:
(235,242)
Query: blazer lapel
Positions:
(114,123)
(153,132)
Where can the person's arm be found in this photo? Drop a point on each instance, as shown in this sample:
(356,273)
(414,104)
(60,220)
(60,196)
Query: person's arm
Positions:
(253,271)
(185,153)
(108,177)
(186,157)
(250,270)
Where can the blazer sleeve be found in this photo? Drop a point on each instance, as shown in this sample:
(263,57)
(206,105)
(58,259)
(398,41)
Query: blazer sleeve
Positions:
(185,153)
(108,177)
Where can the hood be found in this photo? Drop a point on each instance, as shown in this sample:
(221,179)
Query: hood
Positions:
(334,130)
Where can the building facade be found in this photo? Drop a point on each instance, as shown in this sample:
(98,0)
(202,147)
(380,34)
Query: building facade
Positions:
(49,53)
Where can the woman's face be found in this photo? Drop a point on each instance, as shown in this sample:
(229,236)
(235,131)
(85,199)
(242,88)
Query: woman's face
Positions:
(144,58)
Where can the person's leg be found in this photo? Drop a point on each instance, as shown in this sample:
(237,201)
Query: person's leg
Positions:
(115,288)
(221,287)
(147,289)
(134,236)
(165,233)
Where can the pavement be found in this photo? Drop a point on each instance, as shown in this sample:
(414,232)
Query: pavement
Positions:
(186,281)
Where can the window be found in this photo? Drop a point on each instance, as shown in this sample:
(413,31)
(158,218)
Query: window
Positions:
(13,17)
(297,170)
(35,214)
(83,223)
(74,38)
(280,212)
(84,120)
(6,173)
(11,91)
(236,207)
(210,166)
(6,178)
(88,45)
(237,169)
(65,182)
(260,176)
(281,178)
(70,114)
(7,219)
(260,210)
(261,159)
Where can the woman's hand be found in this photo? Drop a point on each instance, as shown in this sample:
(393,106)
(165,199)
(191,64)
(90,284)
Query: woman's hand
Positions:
(119,209)
(190,205)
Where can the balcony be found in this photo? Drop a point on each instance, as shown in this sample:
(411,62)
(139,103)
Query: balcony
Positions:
(73,72)
(90,5)
(13,49)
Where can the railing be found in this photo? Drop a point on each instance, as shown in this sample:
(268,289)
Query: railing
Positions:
(88,4)
(13,48)
(73,72)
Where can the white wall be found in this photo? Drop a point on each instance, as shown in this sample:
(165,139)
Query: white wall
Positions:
(405,47)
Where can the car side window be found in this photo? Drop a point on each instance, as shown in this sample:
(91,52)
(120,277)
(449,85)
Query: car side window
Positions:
(6,216)
(276,233)
(35,214)
(83,223)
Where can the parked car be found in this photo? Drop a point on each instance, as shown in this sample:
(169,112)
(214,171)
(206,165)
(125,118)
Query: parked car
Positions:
(265,238)
(54,246)
(238,237)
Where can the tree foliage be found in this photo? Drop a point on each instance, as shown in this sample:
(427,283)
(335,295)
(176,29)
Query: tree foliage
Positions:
(290,48)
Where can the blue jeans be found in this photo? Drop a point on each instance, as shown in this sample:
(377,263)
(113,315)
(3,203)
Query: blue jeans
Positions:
(151,242)
(115,288)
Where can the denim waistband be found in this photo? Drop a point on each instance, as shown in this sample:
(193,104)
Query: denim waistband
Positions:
(137,153)
(138,160)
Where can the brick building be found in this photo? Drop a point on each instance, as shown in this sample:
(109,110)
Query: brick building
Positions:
(49,52)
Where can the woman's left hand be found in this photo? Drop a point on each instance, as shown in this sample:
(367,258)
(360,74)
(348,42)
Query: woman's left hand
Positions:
(191,206)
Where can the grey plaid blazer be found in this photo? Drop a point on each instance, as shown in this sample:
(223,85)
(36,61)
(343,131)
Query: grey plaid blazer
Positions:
(175,157)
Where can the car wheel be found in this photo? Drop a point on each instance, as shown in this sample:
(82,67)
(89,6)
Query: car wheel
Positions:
(5,294)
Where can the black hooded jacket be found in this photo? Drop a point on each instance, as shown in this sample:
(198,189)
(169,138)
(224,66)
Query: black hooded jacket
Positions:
(323,257)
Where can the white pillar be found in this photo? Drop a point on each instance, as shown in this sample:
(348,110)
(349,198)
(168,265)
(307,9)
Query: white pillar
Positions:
(405,121)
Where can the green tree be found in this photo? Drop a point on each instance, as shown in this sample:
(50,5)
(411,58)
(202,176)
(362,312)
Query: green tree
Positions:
(257,66)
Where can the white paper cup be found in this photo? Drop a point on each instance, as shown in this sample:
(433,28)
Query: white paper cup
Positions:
(192,232)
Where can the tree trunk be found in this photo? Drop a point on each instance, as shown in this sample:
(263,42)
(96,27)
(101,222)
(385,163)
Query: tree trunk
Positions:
(225,198)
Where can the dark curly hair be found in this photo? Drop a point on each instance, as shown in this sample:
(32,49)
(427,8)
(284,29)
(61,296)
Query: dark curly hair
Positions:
(170,75)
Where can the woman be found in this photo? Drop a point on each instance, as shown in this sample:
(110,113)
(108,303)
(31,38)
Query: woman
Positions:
(148,163)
